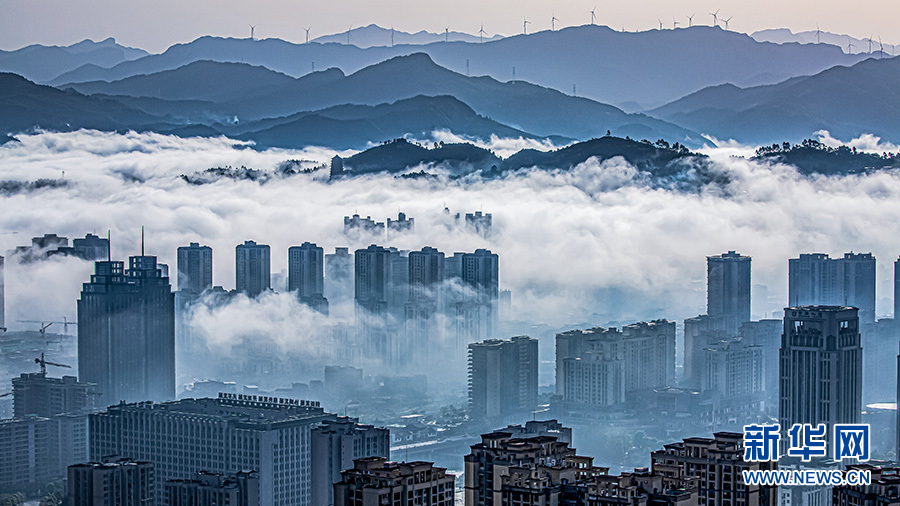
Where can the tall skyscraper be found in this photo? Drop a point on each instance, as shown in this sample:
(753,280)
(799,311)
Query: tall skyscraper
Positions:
(821,366)
(126,332)
(194,268)
(232,432)
(339,276)
(728,289)
(426,277)
(503,378)
(372,274)
(477,313)
(113,482)
(306,275)
(335,445)
(252,268)
(816,279)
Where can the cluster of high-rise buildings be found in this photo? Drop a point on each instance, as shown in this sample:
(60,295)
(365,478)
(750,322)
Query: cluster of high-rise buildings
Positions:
(147,448)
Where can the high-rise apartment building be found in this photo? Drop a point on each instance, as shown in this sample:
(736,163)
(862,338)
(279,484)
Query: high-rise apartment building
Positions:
(717,465)
(335,445)
(34,394)
(425,301)
(728,289)
(112,482)
(194,264)
(600,366)
(816,279)
(821,366)
(126,332)
(252,268)
(306,275)
(232,432)
(374,481)
(503,377)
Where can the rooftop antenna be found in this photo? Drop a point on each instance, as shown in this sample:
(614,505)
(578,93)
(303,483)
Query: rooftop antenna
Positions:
(108,246)
(142,240)
(726,23)
(252,31)
(715,16)
(525,24)
(691,20)
(307,34)
(553,21)
(818,33)
(593,14)
(446,34)
(481,33)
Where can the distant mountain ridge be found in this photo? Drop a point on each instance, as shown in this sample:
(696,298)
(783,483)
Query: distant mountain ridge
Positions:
(602,64)
(846,101)
(522,106)
(373,36)
(42,63)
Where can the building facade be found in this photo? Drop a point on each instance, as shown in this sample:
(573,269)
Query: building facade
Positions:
(503,377)
(194,265)
(728,289)
(113,482)
(230,433)
(335,445)
(214,489)
(126,332)
(253,266)
(306,275)
(816,279)
(375,482)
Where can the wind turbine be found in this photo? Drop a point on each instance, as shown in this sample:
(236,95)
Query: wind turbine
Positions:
(252,31)
(849,47)
(726,23)
(818,33)
(307,34)
(881,46)
(348,34)
(870,44)
(691,20)
(481,33)
(446,34)
(593,14)
(660,23)
(392,35)
(715,16)
(674,24)
(525,24)
(553,21)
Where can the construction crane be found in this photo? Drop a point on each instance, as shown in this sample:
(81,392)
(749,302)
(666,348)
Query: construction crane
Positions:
(43,363)
(45,324)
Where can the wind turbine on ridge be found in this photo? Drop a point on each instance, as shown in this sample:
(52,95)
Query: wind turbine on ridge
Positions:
(715,16)
(252,31)
(481,33)
(593,14)
(870,44)
(818,33)
(726,23)
(553,21)
(660,23)
(348,34)
(674,23)
(307,34)
(691,20)
(446,34)
(525,24)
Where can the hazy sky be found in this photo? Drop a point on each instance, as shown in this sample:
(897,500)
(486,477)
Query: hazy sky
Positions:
(156,25)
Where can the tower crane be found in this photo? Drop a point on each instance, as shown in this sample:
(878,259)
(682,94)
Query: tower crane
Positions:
(44,363)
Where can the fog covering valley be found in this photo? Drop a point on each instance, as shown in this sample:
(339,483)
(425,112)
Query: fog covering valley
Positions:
(591,245)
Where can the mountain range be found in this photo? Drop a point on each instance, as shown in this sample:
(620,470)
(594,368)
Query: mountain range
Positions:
(374,35)
(42,63)
(619,68)
(846,101)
